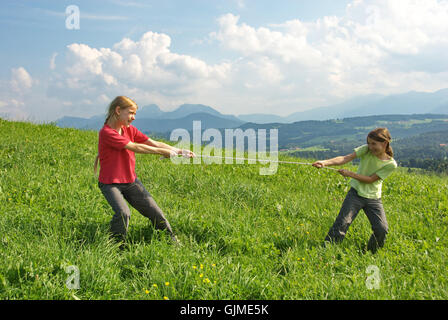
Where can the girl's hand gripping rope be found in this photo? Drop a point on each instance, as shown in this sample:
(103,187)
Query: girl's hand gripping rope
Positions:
(319,164)
(169,153)
(186,153)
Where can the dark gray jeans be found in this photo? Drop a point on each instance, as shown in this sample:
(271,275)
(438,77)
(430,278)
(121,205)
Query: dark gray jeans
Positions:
(373,208)
(138,197)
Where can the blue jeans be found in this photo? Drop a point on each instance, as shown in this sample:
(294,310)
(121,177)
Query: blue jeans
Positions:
(138,197)
(373,208)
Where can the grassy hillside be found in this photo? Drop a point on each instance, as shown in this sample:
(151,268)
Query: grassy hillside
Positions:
(245,236)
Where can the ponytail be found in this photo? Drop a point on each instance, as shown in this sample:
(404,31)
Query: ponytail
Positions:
(95,165)
(389,150)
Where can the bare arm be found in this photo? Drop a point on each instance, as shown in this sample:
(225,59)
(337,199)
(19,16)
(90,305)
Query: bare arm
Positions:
(153,143)
(359,177)
(146,149)
(337,161)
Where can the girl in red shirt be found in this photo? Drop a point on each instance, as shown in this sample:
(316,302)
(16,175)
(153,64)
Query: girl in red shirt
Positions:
(117,144)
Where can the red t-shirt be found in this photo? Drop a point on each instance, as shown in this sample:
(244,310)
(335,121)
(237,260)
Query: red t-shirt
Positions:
(117,164)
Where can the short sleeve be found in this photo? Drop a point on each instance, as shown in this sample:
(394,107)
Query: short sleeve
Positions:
(385,171)
(112,139)
(139,137)
(362,150)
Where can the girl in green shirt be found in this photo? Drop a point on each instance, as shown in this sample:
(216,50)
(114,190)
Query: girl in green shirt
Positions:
(377,163)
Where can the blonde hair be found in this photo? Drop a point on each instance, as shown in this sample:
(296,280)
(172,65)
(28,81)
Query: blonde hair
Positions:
(122,102)
(382,135)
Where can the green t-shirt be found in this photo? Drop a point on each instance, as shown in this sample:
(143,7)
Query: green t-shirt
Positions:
(369,165)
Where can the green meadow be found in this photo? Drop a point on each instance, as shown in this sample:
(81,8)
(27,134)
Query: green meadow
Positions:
(244,235)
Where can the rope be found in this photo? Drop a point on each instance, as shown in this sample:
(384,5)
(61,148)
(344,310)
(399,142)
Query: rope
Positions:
(248,159)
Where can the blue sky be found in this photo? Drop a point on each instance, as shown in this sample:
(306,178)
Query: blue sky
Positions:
(30,26)
(238,56)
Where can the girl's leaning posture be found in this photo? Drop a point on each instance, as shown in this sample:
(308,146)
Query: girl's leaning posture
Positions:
(117,144)
(377,163)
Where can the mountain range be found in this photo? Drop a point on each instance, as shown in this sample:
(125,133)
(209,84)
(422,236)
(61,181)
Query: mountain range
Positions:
(368,105)
(151,119)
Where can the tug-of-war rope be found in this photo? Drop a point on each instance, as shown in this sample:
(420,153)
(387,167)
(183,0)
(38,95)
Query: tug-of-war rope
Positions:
(249,159)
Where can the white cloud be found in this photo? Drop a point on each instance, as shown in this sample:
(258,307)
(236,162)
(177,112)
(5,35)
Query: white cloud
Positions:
(377,46)
(143,68)
(20,79)
(12,109)
(53,61)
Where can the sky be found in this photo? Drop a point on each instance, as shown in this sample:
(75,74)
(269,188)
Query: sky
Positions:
(237,56)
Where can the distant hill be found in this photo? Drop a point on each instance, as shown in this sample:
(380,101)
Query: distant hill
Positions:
(347,109)
(167,125)
(373,104)
(443,109)
(312,133)
(151,119)
(368,105)
(153,112)
(93,123)
(262,118)
(408,103)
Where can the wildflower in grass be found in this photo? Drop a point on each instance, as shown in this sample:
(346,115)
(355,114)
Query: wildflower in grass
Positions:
(194,267)
(201,266)
(213,265)
(155,285)
(201,275)
(165,298)
(167,283)
(206,280)
(147,291)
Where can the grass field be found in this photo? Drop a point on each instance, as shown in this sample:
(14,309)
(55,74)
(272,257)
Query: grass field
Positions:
(244,235)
